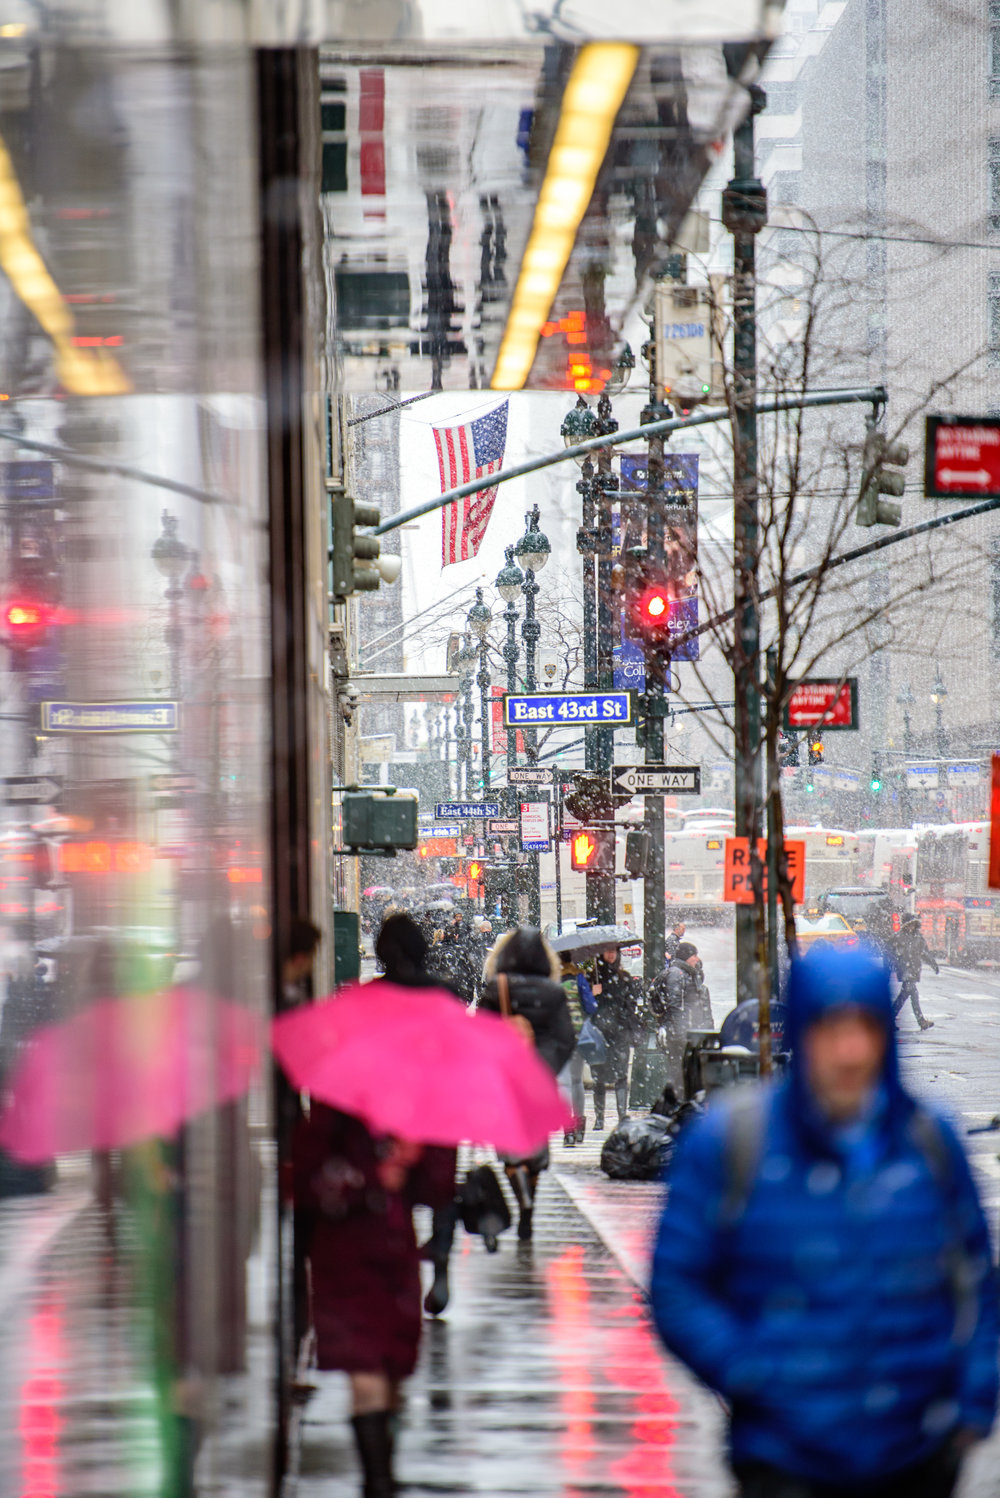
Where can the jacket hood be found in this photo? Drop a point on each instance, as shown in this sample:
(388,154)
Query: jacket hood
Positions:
(499,959)
(823,981)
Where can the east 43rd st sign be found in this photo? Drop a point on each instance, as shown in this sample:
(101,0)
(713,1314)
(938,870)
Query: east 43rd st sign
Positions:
(653,780)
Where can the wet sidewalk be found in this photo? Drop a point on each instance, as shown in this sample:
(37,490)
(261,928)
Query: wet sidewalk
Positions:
(544,1376)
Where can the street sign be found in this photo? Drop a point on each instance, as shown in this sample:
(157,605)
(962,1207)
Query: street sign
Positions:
(440,829)
(962,457)
(959,774)
(823,702)
(109,717)
(502,826)
(566,710)
(922,777)
(451,810)
(993,880)
(172,785)
(535,827)
(736,887)
(530,775)
(30,790)
(651,780)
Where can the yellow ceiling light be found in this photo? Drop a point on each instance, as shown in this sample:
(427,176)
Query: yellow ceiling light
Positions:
(90,372)
(597,86)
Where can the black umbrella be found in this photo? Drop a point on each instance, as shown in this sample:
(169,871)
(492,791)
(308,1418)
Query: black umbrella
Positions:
(590,941)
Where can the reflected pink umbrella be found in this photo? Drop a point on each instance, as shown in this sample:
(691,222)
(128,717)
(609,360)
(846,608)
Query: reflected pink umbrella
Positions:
(413,1062)
(128,1069)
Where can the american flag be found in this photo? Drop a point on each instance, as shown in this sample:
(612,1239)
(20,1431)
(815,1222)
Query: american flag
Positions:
(473,451)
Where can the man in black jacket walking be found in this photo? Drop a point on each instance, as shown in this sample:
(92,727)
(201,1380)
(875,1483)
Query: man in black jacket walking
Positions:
(617,1018)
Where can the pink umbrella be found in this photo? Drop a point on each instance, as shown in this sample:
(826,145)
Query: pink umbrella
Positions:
(414,1063)
(128,1069)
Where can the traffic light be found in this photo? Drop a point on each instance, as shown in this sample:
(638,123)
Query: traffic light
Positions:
(379,820)
(475,872)
(23,624)
(815,751)
(788,751)
(357,564)
(875,480)
(650,599)
(591,800)
(592,851)
(638,852)
(875,783)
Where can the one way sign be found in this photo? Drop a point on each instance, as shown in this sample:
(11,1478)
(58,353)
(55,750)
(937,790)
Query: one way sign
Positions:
(31,790)
(654,780)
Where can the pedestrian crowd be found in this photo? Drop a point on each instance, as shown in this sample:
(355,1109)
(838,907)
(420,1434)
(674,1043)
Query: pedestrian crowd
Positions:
(822,1262)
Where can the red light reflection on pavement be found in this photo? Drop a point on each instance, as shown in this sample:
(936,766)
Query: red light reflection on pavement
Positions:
(572,1333)
(39,1422)
(633,1353)
(624,1350)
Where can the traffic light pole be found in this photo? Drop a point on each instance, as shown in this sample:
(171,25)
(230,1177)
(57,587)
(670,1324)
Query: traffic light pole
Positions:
(607,482)
(657,674)
(744,213)
(530,633)
(510,654)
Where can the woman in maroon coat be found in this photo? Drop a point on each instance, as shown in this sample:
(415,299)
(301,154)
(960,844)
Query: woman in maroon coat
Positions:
(359,1193)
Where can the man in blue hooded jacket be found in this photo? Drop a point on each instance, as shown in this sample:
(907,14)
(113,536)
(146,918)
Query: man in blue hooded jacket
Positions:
(823,1262)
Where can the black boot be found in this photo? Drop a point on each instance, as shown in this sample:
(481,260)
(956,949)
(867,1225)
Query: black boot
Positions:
(599,1094)
(373,1437)
(437,1296)
(621,1101)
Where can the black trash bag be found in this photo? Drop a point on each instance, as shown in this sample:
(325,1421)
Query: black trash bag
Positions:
(638,1149)
(483,1206)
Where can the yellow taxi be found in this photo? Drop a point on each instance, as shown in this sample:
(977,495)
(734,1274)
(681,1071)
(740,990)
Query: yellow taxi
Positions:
(815,925)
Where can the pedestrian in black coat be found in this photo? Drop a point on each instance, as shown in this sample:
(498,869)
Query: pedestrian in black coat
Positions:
(532,972)
(678,1002)
(618,997)
(909,953)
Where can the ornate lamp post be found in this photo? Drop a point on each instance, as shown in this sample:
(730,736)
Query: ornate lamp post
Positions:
(479,620)
(466,660)
(171,557)
(905,699)
(509,582)
(938,693)
(532,551)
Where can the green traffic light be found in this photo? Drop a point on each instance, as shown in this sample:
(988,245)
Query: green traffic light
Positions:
(876,784)
(809,786)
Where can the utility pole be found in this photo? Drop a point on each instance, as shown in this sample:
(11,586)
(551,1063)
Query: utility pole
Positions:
(655,703)
(744,214)
(586,545)
(607,483)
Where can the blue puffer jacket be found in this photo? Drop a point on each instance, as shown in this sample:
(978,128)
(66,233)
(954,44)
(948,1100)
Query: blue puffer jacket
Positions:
(823,1306)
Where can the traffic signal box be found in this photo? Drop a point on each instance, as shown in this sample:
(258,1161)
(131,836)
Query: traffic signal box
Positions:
(380,821)
(638,852)
(592,851)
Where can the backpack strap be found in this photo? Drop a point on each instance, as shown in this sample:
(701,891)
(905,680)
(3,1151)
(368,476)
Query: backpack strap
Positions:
(926,1133)
(744,1144)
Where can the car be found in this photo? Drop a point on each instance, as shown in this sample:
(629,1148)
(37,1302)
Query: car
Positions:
(866,909)
(817,925)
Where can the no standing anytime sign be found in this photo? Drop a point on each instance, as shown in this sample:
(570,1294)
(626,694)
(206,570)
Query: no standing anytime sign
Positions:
(962,457)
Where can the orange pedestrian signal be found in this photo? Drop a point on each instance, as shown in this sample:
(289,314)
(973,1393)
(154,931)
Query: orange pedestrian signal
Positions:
(475,871)
(592,852)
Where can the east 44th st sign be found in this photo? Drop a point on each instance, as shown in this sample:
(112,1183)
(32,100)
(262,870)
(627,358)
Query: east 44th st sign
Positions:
(653,780)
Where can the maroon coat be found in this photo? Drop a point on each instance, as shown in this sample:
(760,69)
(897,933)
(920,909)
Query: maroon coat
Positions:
(361,1244)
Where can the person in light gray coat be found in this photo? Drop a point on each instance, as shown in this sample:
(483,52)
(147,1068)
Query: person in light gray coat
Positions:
(678,1002)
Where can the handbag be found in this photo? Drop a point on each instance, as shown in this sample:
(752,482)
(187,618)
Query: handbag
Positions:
(483,1206)
(591,1044)
(522,1025)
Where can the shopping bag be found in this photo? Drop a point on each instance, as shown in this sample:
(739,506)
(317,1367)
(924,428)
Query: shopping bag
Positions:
(591,1044)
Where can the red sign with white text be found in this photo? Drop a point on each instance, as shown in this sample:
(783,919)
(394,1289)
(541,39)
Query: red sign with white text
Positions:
(962,457)
(823,703)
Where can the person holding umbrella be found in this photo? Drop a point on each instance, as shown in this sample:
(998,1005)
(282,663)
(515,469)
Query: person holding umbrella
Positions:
(618,996)
(523,981)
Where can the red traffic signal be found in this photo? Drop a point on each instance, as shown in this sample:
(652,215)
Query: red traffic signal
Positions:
(24,617)
(592,851)
(650,597)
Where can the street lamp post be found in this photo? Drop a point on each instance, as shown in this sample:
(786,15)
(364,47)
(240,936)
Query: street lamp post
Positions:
(593,542)
(466,660)
(905,699)
(479,620)
(171,557)
(508,584)
(938,693)
(532,551)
